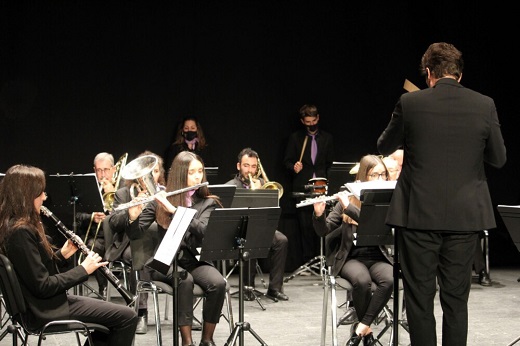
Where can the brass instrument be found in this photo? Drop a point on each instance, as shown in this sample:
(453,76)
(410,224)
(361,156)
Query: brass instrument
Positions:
(268,185)
(108,197)
(127,296)
(141,171)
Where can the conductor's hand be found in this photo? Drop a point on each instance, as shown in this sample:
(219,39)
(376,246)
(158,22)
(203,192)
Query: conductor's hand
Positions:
(92,262)
(298,166)
(68,249)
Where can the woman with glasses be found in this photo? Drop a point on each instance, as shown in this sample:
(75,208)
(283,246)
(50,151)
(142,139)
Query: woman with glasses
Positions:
(360,265)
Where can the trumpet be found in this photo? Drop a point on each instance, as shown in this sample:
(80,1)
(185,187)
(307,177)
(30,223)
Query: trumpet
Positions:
(76,240)
(125,206)
(311,201)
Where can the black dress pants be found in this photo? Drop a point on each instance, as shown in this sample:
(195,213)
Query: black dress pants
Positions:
(426,257)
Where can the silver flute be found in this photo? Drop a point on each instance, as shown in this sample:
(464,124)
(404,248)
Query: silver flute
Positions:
(311,201)
(124,206)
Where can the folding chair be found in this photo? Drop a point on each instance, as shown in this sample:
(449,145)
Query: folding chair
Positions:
(17,309)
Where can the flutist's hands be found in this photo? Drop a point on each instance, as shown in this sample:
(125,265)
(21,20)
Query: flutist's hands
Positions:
(343,198)
(319,207)
(68,249)
(161,198)
(92,262)
(298,166)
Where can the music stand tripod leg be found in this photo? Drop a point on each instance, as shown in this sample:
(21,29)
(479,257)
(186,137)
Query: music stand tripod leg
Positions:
(241,326)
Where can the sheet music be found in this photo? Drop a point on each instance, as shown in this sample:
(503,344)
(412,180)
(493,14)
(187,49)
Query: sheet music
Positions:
(356,188)
(509,206)
(173,237)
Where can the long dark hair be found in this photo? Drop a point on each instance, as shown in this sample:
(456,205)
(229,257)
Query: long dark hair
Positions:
(178,179)
(19,188)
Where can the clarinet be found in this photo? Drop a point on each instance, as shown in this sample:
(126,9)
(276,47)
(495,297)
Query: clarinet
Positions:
(127,296)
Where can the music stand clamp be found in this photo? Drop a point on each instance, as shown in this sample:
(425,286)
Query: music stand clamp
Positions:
(240,234)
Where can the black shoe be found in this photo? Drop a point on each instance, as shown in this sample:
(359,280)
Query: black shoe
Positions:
(207,343)
(276,294)
(483,279)
(368,339)
(354,340)
(142,325)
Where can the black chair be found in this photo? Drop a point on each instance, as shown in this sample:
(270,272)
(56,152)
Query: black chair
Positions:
(16,308)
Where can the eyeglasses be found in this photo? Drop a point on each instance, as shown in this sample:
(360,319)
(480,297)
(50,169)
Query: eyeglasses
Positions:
(103,170)
(378,175)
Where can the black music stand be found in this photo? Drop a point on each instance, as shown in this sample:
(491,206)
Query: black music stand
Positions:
(338,175)
(224,192)
(258,198)
(72,193)
(166,256)
(211,173)
(511,216)
(373,231)
(240,234)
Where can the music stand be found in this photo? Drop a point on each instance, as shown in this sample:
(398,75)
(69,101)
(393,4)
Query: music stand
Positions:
(338,175)
(211,173)
(165,257)
(511,216)
(258,198)
(79,191)
(373,231)
(240,234)
(224,192)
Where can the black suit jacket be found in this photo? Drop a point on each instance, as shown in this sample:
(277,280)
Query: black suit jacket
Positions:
(43,286)
(447,132)
(120,240)
(324,158)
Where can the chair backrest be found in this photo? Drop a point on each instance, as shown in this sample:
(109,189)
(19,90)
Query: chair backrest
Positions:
(11,290)
(144,248)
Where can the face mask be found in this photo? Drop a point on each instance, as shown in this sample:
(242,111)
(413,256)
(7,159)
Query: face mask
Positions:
(312,128)
(190,135)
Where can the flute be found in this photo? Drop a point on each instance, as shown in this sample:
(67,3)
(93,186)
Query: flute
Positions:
(124,206)
(76,240)
(311,201)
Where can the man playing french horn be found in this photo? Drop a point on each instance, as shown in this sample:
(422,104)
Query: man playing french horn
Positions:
(247,166)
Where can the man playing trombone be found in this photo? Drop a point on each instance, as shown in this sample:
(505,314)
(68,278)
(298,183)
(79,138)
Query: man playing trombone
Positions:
(246,178)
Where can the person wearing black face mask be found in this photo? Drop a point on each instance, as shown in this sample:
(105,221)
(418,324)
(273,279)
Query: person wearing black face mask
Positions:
(190,137)
(309,154)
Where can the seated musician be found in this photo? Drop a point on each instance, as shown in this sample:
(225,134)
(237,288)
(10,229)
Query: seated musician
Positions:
(360,265)
(120,249)
(187,169)
(247,166)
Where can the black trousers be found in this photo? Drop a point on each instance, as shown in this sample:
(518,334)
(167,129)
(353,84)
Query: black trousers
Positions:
(426,257)
(277,257)
(212,283)
(120,319)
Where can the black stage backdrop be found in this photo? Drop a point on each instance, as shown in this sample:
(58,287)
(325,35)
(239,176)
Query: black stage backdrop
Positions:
(81,77)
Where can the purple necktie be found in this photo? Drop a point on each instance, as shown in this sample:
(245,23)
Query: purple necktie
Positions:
(314,148)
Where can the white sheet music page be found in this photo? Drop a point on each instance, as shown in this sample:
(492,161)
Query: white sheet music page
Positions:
(356,188)
(173,237)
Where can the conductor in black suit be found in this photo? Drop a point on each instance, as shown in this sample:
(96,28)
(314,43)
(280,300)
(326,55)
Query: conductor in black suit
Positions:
(443,129)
